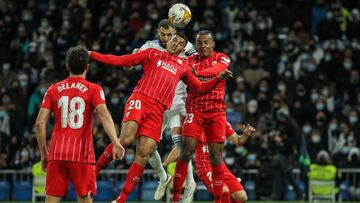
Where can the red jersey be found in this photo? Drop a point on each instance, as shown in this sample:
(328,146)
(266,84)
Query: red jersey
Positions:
(207,68)
(202,160)
(73,101)
(162,72)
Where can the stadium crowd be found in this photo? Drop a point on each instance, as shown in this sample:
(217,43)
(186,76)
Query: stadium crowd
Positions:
(296,66)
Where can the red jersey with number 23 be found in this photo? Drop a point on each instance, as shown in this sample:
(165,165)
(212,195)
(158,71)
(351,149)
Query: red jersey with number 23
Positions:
(73,101)
(214,99)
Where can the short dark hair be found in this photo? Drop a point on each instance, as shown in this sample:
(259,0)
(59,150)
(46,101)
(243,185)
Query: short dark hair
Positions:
(206,32)
(182,35)
(166,24)
(77,59)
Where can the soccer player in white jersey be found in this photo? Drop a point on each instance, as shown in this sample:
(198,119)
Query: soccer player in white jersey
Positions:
(172,118)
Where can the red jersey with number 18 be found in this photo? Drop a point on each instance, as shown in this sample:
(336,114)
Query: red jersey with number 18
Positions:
(73,101)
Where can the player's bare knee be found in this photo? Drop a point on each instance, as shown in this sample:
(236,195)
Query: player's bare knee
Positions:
(215,159)
(240,196)
(126,140)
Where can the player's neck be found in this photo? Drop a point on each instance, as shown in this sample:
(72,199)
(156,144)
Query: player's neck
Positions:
(77,76)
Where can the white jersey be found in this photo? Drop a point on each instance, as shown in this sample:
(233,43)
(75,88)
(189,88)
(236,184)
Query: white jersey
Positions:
(180,91)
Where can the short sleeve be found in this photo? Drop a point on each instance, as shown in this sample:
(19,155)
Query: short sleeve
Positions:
(229,130)
(224,59)
(47,101)
(98,96)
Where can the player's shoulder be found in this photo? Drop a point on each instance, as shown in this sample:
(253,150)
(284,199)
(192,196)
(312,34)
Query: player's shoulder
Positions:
(155,44)
(223,58)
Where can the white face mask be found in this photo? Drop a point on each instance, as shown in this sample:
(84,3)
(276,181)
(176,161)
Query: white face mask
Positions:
(230,160)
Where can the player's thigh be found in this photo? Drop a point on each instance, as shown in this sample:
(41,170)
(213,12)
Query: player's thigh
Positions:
(145,147)
(193,126)
(57,179)
(128,132)
(83,178)
(215,129)
(151,123)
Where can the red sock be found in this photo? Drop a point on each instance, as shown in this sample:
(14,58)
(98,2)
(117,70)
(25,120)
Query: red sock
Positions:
(225,197)
(132,179)
(179,178)
(104,159)
(218,181)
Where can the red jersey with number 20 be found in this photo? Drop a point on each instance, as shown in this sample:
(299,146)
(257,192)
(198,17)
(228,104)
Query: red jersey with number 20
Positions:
(73,101)
(162,72)
(214,99)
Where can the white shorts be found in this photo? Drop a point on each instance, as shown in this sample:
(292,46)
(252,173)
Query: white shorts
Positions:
(172,117)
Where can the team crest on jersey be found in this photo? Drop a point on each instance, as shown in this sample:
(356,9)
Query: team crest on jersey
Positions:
(213,62)
(127,114)
(179,61)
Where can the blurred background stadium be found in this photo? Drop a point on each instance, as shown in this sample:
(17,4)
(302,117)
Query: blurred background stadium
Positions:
(296,66)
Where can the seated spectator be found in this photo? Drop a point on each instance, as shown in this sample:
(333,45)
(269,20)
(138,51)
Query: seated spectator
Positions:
(322,169)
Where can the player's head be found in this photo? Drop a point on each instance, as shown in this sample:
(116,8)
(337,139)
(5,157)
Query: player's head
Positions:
(77,60)
(177,43)
(165,31)
(205,43)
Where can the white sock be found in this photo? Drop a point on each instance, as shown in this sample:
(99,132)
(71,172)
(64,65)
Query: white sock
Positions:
(155,163)
(190,174)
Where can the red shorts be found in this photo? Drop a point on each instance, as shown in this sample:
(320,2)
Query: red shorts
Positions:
(59,173)
(212,124)
(147,112)
(229,180)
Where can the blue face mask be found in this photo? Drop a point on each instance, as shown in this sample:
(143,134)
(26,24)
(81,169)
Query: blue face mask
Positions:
(307,129)
(129,158)
(311,67)
(353,119)
(320,106)
(333,126)
(2,113)
(251,157)
(314,97)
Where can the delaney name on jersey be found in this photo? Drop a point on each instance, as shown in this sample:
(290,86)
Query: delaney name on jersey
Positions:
(73,85)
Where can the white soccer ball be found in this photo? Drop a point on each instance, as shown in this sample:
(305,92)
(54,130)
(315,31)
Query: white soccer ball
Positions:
(179,14)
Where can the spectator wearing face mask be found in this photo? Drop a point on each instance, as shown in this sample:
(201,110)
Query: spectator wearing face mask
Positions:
(353,161)
(286,142)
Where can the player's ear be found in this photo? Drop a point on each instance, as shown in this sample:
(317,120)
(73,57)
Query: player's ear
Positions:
(87,67)
(67,67)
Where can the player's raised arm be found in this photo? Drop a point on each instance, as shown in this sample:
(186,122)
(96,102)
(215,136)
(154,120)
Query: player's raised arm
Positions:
(123,60)
(204,87)
(108,124)
(222,64)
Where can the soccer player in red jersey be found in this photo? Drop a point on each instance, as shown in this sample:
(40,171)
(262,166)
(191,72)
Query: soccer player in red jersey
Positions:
(233,191)
(70,156)
(205,115)
(232,187)
(151,97)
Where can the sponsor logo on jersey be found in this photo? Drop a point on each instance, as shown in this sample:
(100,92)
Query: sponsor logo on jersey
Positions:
(167,66)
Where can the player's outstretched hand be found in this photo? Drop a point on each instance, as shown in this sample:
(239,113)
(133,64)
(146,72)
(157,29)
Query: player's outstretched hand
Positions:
(248,130)
(118,151)
(225,74)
